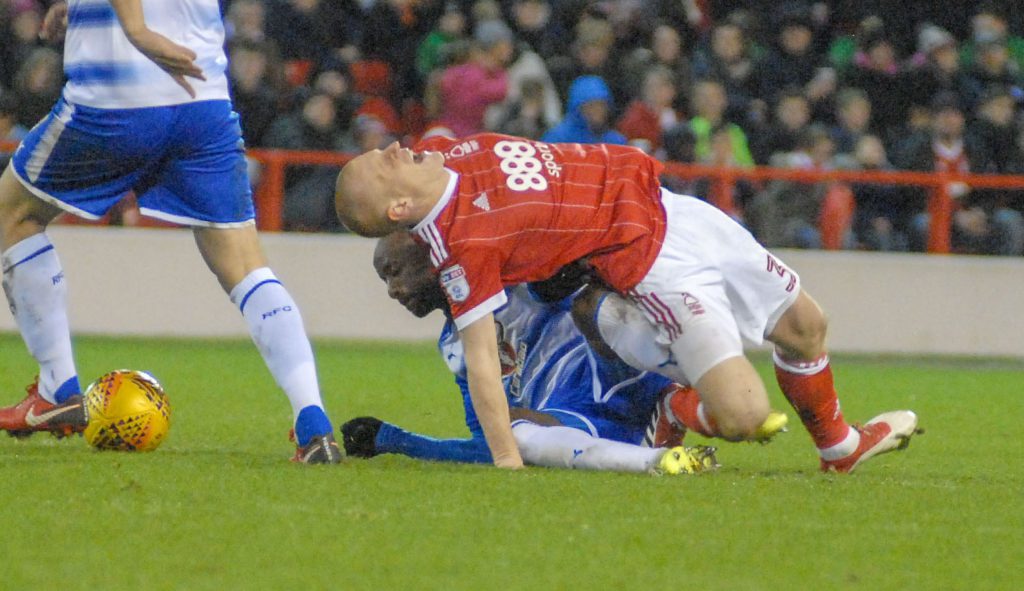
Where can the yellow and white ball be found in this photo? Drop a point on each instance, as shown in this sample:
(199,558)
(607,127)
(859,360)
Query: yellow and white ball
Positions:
(128,411)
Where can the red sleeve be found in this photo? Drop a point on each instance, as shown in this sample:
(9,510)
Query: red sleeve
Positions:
(471,281)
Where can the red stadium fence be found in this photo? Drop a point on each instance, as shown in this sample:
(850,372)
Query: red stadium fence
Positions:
(837,210)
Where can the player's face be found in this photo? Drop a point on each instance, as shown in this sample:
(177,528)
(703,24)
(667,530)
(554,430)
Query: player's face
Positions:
(398,160)
(405,267)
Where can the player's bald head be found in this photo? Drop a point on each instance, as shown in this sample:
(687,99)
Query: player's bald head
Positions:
(360,198)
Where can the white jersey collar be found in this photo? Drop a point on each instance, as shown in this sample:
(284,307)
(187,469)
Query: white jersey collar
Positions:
(449,192)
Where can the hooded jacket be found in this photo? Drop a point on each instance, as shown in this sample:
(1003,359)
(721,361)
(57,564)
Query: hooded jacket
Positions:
(574,128)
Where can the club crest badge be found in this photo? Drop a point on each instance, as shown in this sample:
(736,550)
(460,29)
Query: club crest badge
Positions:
(453,280)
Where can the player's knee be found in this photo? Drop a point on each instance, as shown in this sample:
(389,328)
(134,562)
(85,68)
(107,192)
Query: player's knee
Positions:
(19,219)
(742,424)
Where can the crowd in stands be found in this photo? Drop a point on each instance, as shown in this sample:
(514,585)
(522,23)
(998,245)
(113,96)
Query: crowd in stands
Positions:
(815,86)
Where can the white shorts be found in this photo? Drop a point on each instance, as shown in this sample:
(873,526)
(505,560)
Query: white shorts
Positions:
(711,288)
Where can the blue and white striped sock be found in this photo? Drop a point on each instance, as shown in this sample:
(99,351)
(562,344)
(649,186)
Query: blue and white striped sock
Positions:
(37,294)
(277,329)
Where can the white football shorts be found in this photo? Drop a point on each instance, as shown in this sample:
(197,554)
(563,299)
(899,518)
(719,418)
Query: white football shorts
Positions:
(712,288)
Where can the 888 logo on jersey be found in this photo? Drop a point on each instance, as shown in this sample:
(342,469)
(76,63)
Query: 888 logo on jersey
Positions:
(525,164)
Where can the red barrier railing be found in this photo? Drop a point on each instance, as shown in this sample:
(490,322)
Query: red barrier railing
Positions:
(269,195)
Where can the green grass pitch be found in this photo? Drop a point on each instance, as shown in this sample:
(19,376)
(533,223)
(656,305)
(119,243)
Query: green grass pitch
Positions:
(220,507)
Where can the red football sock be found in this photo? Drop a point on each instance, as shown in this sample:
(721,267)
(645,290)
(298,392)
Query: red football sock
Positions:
(809,388)
(689,410)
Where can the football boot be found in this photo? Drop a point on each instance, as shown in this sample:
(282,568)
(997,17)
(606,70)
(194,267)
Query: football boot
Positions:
(35,413)
(887,432)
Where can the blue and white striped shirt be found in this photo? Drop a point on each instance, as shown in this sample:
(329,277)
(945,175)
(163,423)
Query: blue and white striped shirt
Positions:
(105,70)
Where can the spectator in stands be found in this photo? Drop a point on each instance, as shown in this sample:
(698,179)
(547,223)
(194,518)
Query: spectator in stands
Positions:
(937,68)
(786,214)
(665,51)
(652,112)
(791,116)
(255,73)
(309,190)
(691,18)
(708,103)
(306,29)
(532,22)
(721,154)
(451,27)
(588,115)
(468,89)
(992,67)
(679,145)
(246,20)
(982,224)
(525,117)
(334,80)
(20,21)
(368,133)
(392,32)
(793,61)
(10,129)
(990,22)
(882,215)
(590,55)
(729,59)
(37,85)
(853,114)
(876,71)
(995,131)
(526,66)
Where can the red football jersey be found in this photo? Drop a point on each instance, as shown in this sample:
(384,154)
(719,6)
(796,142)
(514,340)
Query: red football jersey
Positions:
(518,210)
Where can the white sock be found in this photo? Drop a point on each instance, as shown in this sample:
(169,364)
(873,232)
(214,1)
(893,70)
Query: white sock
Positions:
(277,329)
(565,447)
(37,294)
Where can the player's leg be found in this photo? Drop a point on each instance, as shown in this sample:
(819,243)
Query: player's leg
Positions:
(207,188)
(80,160)
(235,257)
(701,345)
(616,327)
(568,447)
(804,374)
(36,291)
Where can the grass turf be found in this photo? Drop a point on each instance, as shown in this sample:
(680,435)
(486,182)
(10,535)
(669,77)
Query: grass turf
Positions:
(218,506)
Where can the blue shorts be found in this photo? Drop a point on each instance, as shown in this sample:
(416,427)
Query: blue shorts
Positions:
(186,163)
(628,398)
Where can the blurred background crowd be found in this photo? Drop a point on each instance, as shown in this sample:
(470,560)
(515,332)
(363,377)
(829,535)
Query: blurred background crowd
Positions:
(872,85)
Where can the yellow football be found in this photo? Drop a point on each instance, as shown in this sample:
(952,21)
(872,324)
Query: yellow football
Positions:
(128,411)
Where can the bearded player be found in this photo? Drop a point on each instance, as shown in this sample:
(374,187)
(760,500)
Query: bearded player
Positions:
(498,210)
(569,407)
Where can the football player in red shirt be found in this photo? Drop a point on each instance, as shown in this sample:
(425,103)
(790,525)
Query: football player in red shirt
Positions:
(498,210)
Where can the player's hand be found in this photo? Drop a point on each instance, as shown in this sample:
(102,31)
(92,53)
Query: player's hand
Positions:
(360,436)
(55,23)
(176,60)
(509,461)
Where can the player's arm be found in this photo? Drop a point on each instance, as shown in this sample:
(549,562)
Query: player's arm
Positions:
(483,372)
(176,60)
(366,437)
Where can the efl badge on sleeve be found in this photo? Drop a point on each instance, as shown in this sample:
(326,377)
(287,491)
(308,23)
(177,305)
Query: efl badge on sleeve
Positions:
(453,279)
